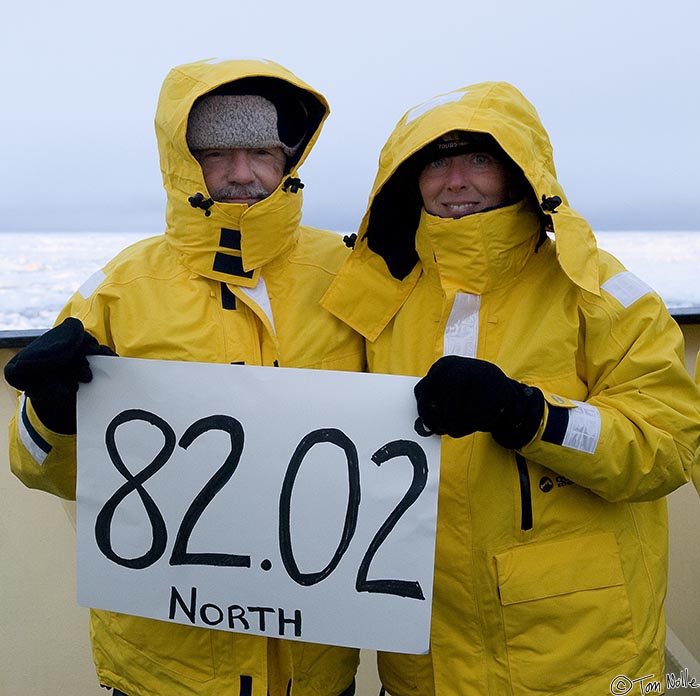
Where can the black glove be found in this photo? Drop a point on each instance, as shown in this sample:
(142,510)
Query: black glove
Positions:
(49,370)
(459,396)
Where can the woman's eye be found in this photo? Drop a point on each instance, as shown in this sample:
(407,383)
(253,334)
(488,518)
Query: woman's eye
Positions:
(438,163)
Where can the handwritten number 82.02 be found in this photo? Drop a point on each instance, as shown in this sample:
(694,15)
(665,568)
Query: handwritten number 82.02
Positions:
(182,556)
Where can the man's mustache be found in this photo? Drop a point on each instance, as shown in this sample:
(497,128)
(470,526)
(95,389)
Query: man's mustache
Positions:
(240,191)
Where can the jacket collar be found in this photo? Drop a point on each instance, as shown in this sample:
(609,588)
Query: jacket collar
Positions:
(233,242)
(478,252)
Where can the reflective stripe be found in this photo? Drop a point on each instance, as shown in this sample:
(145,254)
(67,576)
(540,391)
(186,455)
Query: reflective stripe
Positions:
(583,429)
(462,329)
(33,442)
(441,99)
(259,295)
(91,284)
(216,61)
(626,288)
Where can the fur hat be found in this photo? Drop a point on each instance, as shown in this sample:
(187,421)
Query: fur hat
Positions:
(227,121)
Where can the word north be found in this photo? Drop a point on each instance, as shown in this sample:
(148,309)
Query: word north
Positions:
(234,617)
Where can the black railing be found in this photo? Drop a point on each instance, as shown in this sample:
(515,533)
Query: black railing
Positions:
(18,338)
(686,315)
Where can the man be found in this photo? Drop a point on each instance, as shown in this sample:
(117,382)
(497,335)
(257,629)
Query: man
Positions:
(234,279)
(558,383)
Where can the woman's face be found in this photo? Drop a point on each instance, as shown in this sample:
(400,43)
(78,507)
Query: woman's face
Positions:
(452,187)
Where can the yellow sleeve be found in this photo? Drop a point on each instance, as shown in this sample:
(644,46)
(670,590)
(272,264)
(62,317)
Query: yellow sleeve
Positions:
(39,457)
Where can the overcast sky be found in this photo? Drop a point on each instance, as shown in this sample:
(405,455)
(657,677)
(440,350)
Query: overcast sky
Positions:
(616,83)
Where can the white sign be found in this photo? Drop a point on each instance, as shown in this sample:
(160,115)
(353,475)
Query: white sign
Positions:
(281,502)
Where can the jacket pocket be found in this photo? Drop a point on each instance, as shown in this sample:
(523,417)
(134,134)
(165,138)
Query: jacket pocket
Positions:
(566,613)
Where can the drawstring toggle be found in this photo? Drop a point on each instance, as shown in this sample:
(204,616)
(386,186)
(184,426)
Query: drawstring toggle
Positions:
(198,201)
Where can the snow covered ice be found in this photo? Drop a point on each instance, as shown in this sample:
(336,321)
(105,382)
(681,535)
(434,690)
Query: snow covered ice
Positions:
(40,271)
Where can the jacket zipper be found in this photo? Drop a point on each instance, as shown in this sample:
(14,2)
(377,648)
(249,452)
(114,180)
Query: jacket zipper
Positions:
(525,493)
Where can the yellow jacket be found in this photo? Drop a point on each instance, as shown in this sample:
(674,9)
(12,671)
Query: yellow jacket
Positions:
(695,474)
(236,285)
(551,562)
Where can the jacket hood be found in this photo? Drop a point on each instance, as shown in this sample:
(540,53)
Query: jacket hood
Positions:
(500,110)
(226,241)
(385,259)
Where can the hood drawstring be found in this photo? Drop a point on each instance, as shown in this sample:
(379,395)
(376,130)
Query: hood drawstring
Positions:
(198,201)
(292,184)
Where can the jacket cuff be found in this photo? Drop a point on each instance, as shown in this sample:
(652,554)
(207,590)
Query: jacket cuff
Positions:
(572,424)
(36,437)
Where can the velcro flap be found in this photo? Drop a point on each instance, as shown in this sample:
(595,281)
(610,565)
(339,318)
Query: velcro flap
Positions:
(536,571)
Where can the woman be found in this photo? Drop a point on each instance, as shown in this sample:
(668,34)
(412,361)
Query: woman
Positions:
(557,380)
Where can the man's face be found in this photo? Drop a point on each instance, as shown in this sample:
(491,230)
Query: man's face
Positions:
(452,187)
(242,175)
